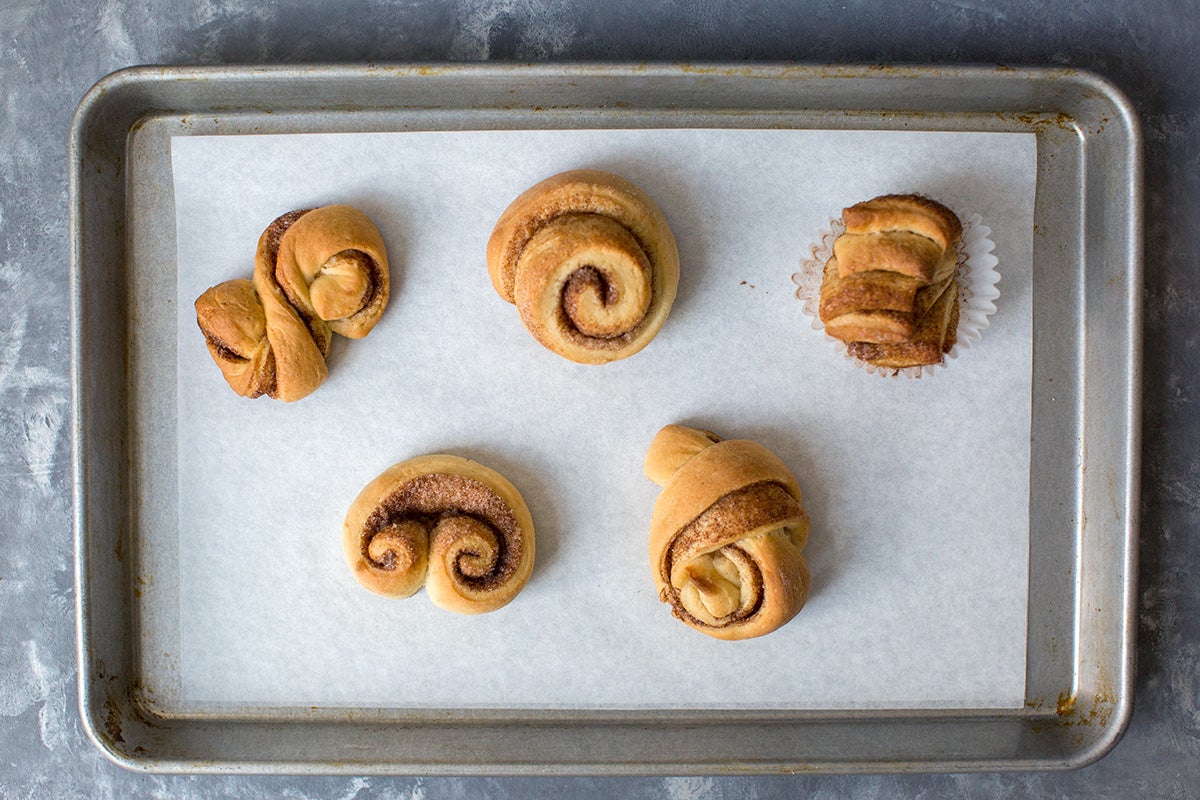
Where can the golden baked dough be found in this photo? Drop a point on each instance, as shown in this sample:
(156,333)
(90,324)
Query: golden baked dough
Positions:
(865,291)
(905,212)
(898,252)
(934,336)
(316,272)
(590,263)
(888,289)
(726,534)
(873,306)
(235,331)
(452,525)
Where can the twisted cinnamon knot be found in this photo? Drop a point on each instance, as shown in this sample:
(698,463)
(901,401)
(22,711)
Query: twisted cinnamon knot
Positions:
(451,525)
(589,262)
(316,272)
(726,534)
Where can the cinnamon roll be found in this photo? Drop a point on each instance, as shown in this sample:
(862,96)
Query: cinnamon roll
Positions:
(726,534)
(590,263)
(316,272)
(889,289)
(452,525)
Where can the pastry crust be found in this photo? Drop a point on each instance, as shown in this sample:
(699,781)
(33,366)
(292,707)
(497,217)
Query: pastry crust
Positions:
(933,338)
(316,272)
(905,212)
(590,263)
(235,331)
(899,252)
(726,534)
(888,288)
(444,522)
(864,291)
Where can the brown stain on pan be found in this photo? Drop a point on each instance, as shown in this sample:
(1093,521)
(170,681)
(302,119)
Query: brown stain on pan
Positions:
(1071,713)
(1039,122)
(118,712)
(425,70)
(768,71)
(142,583)
(112,721)
(1111,479)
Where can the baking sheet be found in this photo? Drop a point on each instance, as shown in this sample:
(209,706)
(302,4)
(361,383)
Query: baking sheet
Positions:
(918,490)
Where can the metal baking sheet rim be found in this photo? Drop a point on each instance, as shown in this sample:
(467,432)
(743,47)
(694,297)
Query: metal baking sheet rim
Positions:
(1078,727)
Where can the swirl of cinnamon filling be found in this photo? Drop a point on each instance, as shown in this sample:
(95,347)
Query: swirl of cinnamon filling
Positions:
(316,272)
(590,263)
(726,534)
(452,525)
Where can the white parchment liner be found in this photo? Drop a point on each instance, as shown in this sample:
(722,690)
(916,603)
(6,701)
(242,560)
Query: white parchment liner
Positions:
(975,272)
(916,602)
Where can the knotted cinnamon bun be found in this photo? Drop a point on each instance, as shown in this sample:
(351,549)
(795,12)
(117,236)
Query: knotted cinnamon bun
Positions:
(316,272)
(726,534)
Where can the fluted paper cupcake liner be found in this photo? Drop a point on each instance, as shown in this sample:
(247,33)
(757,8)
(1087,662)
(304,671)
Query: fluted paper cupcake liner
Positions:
(975,272)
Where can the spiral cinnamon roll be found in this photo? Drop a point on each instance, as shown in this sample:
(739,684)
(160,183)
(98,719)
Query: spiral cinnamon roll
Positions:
(452,525)
(726,534)
(316,272)
(590,263)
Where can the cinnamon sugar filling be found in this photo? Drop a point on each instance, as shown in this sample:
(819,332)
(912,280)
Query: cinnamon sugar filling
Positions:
(749,508)
(374,276)
(457,507)
(223,350)
(583,279)
(273,236)
(274,232)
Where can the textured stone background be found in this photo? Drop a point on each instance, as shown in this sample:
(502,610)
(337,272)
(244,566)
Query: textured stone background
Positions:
(50,53)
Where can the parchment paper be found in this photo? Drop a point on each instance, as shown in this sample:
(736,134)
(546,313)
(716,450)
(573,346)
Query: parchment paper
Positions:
(917,489)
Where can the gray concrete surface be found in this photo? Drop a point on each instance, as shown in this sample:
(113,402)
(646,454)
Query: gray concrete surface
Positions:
(51,52)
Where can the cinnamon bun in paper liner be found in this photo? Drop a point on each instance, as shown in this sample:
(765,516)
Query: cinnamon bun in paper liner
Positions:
(974,278)
(446,523)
